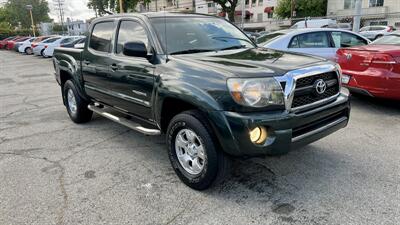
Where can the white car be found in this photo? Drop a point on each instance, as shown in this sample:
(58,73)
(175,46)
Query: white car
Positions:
(314,23)
(375,32)
(323,42)
(49,47)
(39,48)
(25,45)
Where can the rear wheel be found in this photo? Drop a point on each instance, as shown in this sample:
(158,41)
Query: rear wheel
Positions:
(28,51)
(76,106)
(42,53)
(193,152)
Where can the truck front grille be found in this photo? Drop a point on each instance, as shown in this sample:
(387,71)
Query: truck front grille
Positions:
(306,92)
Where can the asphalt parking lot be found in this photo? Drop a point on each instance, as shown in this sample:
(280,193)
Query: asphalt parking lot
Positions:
(53,171)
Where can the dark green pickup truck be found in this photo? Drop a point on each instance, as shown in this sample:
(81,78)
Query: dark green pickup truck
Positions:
(201,81)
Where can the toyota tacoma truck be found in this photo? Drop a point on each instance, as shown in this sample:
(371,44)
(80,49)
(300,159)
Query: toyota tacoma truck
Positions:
(204,84)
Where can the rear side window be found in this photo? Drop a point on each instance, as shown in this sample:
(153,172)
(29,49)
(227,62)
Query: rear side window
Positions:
(100,40)
(310,40)
(130,31)
(51,40)
(344,39)
(67,40)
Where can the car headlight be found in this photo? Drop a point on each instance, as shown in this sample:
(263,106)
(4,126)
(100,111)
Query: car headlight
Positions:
(256,92)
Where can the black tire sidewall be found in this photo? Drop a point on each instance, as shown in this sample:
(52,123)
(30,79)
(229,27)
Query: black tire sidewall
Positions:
(82,113)
(207,176)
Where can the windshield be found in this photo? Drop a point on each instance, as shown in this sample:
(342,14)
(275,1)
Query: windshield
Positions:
(263,40)
(393,39)
(187,35)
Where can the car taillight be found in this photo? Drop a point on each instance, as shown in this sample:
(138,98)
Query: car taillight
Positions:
(389,29)
(45,46)
(382,60)
(33,45)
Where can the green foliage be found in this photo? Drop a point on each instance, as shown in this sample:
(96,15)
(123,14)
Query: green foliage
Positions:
(14,12)
(304,8)
(228,7)
(102,7)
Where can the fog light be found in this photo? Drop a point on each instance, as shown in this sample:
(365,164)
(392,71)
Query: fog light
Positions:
(258,135)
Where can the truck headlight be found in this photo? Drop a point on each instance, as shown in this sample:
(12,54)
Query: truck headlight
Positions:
(256,92)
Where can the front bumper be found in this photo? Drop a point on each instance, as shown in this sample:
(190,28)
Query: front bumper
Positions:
(286,130)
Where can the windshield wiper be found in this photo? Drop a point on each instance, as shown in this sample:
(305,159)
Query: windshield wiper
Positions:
(233,47)
(190,51)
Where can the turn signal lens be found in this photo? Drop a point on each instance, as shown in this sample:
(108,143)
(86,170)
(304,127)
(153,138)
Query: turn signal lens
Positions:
(258,135)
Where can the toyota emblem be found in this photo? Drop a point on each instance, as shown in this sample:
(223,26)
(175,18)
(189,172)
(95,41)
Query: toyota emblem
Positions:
(320,86)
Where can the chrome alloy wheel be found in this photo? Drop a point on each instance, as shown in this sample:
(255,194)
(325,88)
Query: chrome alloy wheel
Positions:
(190,151)
(71,101)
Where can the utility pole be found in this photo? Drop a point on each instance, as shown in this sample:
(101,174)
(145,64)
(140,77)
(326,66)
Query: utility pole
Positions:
(243,13)
(59,5)
(121,9)
(293,9)
(357,16)
(29,7)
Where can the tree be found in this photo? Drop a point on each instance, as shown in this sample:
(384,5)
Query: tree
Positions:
(102,7)
(228,8)
(304,8)
(15,13)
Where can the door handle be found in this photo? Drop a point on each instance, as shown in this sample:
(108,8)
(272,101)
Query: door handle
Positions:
(86,62)
(114,67)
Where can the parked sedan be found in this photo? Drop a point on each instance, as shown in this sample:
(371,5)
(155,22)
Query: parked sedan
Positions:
(28,48)
(49,47)
(38,48)
(374,32)
(21,42)
(373,70)
(3,43)
(323,42)
(76,42)
(11,43)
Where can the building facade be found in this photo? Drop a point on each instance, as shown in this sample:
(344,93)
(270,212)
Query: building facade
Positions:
(77,27)
(374,12)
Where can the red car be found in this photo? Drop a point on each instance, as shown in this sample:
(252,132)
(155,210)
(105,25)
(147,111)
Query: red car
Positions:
(10,44)
(373,69)
(3,42)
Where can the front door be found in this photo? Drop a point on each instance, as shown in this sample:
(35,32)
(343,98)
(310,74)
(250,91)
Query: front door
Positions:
(132,78)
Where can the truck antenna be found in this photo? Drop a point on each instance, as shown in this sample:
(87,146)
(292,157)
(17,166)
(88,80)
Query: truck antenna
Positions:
(165,35)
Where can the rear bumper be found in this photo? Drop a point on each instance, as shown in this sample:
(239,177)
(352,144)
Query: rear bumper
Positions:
(286,131)
(375,83)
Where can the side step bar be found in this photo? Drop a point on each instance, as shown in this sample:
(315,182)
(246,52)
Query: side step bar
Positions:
(124,121)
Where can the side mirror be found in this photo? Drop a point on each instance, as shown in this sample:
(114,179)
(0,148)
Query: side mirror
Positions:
(135,48)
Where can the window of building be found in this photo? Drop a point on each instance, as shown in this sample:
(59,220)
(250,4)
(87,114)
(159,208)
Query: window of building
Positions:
(260,2)
(100,40)
(130,31)
(349,4)
(270,15)
(376,3)
(246,2)
(253,2)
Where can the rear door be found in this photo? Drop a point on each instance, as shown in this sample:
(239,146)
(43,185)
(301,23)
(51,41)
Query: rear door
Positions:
(314,43)
(96,61)
(132,78)
(342,39)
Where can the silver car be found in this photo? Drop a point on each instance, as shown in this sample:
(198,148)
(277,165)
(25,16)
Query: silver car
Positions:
(323,42)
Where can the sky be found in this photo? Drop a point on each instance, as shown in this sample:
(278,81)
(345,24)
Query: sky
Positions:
(75,9)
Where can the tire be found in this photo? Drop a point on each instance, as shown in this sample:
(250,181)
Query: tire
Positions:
(28,51)
(215,164)
(76,106)
(42,53)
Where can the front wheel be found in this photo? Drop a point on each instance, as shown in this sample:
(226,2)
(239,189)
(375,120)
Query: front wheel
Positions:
(76,106)
(193,151)
(28,51)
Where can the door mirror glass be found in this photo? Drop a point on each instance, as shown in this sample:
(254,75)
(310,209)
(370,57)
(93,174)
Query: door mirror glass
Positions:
(135,48)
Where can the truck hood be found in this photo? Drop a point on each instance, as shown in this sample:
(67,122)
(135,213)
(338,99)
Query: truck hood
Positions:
(256,62)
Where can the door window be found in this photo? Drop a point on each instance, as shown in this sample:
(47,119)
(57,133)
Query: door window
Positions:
(130,31)
(344,39)
(100,40)
(310,40)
